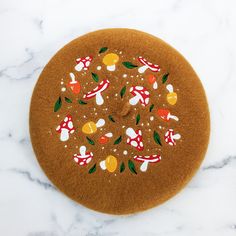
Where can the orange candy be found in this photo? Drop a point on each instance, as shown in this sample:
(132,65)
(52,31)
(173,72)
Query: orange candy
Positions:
(75,87)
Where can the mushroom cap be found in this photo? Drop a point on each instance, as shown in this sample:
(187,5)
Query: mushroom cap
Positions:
(83,160)
(136,141)
(101,87)
(110,59)
(169,137)
(66,124)
(151,159)
(151,66)
(143,92)
(85,60)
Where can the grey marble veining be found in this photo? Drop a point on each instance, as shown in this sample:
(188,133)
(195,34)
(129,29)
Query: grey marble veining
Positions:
(32,31)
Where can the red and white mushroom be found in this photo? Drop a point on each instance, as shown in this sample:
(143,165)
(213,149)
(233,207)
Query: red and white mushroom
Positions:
(165,115)
(65,128)
(170,137)
(83,63)
(147,65)
(146,160)
(141,95)
(83,158)
(97,92)
(135,138)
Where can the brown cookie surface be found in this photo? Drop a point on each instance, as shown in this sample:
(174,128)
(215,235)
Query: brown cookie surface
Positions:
(119,121)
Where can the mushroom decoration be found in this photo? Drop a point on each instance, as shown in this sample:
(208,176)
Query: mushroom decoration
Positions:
(110,61)
(170,137)
(83,63)
(135,138)
(97,92)
(91,127)
(165,115)
(73,84)
(146,160)
(105,138)
(141,95)
(153,80)
(83,158)
(110,163)
(171,96)
(147,65)
(65,128)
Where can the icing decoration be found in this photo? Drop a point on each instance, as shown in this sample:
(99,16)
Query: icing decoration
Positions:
(110,163)
(135,138)
(105,138)
(83,63)
(65,128)
(146,160)
(152,80)
(171,96)
(165,115)
(83,158)
(96,92)
(170,137)
(73,84)
(91,127)
(141,95)
(110,61)
(147,65)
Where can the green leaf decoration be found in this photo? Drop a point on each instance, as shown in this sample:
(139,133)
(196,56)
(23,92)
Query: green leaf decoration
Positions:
(90,141)
(137,119)
(129,65)
(122,92)
(95,77)
(82,102)
(156,137)
(111,118)
(102,50)
(132,167)
(151,107)
(57,105)
(165,78)
(122,167)
(117,141)
(68,100)
(93,169)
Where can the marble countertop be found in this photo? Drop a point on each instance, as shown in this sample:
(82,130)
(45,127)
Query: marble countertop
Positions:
(32,31)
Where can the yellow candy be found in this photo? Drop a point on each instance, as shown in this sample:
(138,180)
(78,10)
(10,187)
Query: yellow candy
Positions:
(172,98)
(111,163)
(110,60)
(89,127)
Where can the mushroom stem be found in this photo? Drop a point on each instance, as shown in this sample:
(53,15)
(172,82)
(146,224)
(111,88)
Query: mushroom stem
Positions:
(173,117)
(142,69)
(79,66)
(103,165)
(72,77)
(131,133)
(100,123)
(99,99)
(134,100)
(170,88)
(64,136)
(111,68)
(144,166)
(176,136)
(82,150)
(155,85)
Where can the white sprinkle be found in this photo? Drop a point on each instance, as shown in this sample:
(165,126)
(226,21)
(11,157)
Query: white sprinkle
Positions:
(95,113)
(142,124)
(125,152)
(65,146)
(142,79)
(62,82)
(76,146)
(99,67)
(63,89)
(149,130)
(148,124)
(115,150)
(84,116)
(159,127)
(120,52)
(102,148)
(116,94)
(58,115)
(132,76)
(151,118)
(123,126)
(124,75)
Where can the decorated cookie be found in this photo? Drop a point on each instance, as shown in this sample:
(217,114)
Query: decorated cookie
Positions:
(123,125)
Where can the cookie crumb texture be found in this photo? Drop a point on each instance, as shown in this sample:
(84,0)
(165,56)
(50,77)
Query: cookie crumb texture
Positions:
(119,121)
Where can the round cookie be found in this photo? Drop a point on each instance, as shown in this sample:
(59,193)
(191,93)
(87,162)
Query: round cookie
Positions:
(119,121)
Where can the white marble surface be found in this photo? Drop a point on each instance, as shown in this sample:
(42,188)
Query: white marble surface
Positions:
(32,31)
